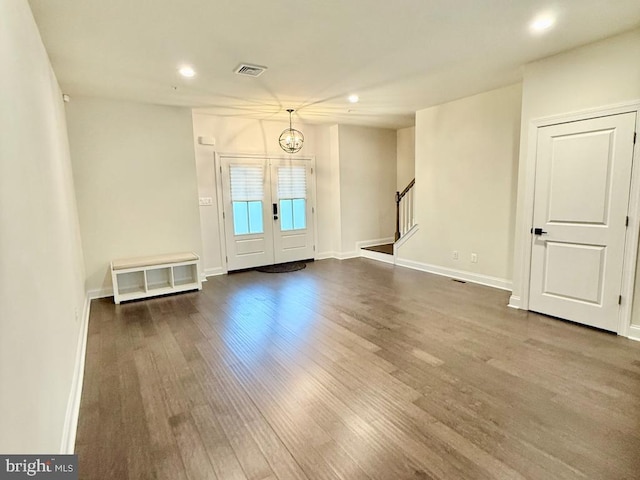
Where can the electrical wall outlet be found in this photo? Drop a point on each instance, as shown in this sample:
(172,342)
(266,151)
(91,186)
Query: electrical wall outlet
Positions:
(455,255)
(206,201)
(474,258)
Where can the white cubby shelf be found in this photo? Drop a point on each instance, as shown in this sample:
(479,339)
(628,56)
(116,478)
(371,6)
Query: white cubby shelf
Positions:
(143,277)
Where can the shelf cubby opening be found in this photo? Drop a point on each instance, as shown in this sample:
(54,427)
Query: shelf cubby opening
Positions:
(159,278)
(185,274)
(131,282)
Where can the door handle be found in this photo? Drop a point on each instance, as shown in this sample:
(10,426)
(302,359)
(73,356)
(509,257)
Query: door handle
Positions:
(275,211)
(538,231)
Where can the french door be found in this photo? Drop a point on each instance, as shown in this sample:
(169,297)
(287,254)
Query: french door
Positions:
(583,177)
(268,210)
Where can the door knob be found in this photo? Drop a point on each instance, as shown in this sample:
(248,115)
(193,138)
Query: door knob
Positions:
(539,231)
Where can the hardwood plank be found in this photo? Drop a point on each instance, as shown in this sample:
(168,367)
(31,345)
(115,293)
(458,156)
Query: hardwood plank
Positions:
(221,455)
(194,456)
(227,400)
(138,455)
(353,370)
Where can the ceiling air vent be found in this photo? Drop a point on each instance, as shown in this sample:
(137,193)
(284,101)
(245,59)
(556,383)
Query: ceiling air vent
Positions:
(249,70)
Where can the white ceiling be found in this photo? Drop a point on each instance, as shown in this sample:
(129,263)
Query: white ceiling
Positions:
(398,55)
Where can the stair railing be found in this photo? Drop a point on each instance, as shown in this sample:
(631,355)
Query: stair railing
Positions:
(405,212)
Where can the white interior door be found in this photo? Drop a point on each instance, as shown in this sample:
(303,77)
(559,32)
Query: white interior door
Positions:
(246,192)
(268,210)
(583,176)
(292,198)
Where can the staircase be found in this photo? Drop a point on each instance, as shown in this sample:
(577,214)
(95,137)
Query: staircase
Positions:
(405,221)
(405,212)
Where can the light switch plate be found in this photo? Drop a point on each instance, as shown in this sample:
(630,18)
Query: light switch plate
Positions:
(206,201)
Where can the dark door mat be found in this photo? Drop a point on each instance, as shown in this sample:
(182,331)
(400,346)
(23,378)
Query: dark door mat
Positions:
(282,267)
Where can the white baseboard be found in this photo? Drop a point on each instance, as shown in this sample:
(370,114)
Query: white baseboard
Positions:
(354,253)
(471,277)
(515,302)
(100,293)
(338,255)
(212,272)
(70,429)
(347,255)
(410,233)
(634,332)
(380,257)
(375,241)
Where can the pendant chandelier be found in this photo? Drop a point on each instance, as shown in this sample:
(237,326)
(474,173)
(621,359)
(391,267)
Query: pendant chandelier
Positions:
(291,140)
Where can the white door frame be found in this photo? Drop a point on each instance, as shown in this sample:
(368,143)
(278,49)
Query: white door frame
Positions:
(631,241)
(218,182)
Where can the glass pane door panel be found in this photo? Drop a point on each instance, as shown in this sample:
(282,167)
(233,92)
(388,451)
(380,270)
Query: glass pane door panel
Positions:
(293,214)
(247,217)
(299,213)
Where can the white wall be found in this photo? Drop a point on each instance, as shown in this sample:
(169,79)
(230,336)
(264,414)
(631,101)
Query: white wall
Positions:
(466,171)
(328,179)
(136,183)
(405,157)
(41,270)
(239,135)
(592,76)
(367,184)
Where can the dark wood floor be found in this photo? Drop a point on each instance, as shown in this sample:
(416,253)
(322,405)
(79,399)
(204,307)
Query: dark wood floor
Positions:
(353,370)
(384,248)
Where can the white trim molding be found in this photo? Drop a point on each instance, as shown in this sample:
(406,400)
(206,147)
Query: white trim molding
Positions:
(347,255)
(495,282)
(358,252)
(100,293)
(214,272)
(376,241)
(515,302)
(402,240)
(70,428)
(634,332)
(380,257)
(325,255)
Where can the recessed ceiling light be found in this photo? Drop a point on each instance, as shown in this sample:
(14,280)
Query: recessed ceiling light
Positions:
(187,71)
(542,23)
(354,98)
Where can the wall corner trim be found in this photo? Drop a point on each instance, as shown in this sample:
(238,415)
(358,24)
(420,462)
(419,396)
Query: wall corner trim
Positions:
(515,302)
(634,333)
(213,272)
(67,445)
(100,293)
